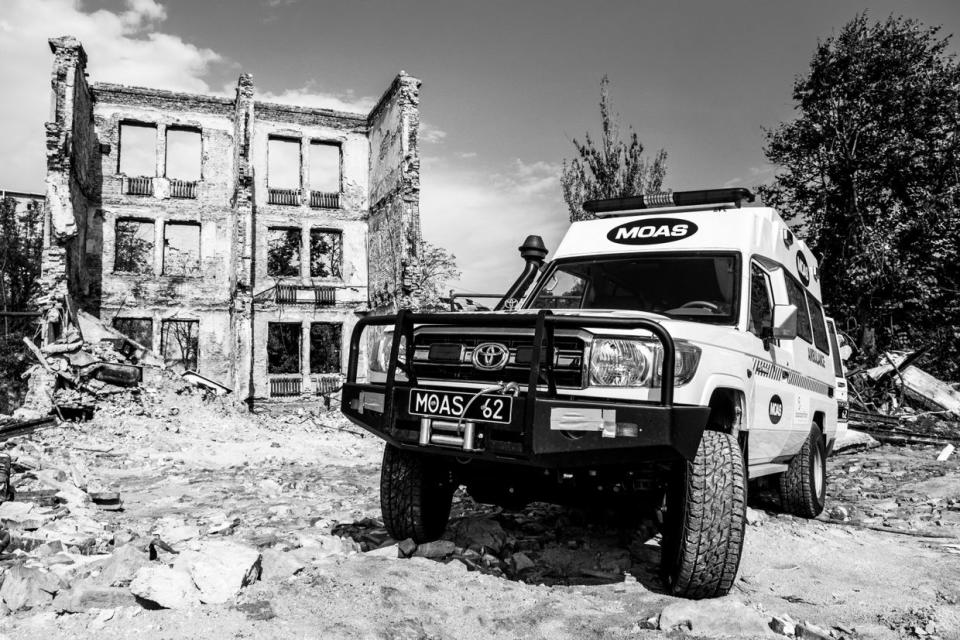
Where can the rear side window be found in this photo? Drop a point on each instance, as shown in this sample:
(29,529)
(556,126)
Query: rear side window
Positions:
(798,299)
(835,349)
(819,328)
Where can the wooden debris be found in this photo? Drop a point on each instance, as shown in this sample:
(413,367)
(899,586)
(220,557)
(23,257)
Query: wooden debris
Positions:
(947,450)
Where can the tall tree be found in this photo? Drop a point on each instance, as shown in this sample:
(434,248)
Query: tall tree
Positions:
(615,168)
(869,172)
(427,276)
(20,247)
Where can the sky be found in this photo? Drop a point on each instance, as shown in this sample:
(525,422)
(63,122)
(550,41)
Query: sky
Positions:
(507,85)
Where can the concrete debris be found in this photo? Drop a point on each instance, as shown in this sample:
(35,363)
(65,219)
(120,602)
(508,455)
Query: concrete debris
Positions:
(220,568)
(479,534)
(85,596)
(853,439)
(435,550)
(809,631)
(945,453)
(277,565)
(721,617)
(28,587)
(784,625)
(166,587)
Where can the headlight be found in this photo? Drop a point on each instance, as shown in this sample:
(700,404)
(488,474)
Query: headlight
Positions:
(620,363)
(637,363)
(380,351)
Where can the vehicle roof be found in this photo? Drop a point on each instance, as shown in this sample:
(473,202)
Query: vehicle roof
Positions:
(752,231)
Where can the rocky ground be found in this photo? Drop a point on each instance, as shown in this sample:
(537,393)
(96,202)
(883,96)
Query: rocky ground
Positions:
(168,517)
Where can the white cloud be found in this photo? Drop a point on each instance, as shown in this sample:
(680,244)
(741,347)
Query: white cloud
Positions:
(482,216)
(466,155)
(311,95)
(431,134)
(123,47)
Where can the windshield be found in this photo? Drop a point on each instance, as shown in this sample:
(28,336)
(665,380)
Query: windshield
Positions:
(693,286)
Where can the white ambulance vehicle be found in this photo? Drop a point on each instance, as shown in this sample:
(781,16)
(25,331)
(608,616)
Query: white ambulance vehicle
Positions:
(674,347)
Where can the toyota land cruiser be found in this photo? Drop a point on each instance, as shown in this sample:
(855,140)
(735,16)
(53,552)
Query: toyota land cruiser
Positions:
(674,348)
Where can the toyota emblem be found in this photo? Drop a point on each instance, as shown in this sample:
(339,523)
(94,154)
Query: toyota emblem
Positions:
(490,356)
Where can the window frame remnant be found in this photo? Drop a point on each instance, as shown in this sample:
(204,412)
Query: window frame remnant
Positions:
(132,125)
(321,267)
(175,131)
(181,332)
(128,327)
(326,347)
(282,357)
(125,240)
(275,245)
(325,195)
(186,267)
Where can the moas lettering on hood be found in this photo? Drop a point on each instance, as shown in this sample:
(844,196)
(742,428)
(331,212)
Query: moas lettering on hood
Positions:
(652,231)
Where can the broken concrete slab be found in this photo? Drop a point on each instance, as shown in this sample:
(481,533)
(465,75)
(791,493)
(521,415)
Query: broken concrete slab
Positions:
(85,596)
(166,587)
(435,550)
(718,617)
(277,565)
(479,533)
(220,568)
(928,390)
(28,587)
(123,565)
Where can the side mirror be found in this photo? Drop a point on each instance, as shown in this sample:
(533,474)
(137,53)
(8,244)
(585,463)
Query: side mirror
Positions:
(784,322)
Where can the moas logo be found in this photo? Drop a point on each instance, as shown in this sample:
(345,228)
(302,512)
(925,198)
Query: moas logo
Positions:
(652,231)
(803,269)
(775,410)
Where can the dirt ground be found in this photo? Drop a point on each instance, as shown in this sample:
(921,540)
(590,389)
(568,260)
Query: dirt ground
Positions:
(204,470)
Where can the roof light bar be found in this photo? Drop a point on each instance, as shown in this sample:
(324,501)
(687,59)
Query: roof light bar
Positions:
(703,197)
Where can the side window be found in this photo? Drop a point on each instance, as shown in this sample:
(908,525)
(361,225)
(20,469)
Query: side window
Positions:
(798,299)
(761,306)
(819,328)
(835,349)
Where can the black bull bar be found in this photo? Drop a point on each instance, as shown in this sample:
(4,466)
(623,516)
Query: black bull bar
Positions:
(668,430)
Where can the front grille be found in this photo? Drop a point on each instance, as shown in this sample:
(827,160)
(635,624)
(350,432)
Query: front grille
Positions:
(448,357)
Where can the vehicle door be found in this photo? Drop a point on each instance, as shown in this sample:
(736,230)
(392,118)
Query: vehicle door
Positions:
(809,365)
(771,421)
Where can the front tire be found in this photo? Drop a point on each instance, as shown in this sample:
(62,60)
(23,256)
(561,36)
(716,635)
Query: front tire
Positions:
(803,486)
(704,520)
(415,495)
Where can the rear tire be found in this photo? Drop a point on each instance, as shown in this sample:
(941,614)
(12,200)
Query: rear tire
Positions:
(803,486)
(704,520)
(415,495)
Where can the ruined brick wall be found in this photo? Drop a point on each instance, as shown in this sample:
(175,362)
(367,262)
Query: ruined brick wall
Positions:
(72,179)
(394,223)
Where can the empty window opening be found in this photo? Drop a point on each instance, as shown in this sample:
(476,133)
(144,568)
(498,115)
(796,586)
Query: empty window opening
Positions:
(138,149)
(180,342)
(134,247)
(183,154)
(325,167)
(283,347)
(181,249)
(283,163)
(283,252)
(325,347)
(326,253)
(139,330)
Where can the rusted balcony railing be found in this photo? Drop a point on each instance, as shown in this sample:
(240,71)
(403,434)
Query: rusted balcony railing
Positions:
(325,296)
(183,189)
(139,186)
(289,197)
(324,200)
(327,383)
(285,387)
(296,294)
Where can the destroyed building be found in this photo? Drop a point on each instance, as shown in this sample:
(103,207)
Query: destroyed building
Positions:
(234,237)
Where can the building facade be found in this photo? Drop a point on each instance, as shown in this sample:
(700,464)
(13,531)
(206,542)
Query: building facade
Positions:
(237,238)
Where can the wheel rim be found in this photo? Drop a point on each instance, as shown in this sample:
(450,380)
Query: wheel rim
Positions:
(817,471)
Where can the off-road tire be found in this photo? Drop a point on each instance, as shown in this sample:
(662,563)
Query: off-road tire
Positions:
(706,509)
(801,494)
(415,495)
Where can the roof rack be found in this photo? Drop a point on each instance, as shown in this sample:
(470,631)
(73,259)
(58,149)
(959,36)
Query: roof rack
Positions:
(704,198)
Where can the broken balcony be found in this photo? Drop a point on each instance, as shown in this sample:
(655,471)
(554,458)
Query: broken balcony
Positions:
(324,200)
(286,197)
(299,294)
(183,189)
(285,386)
(138,186)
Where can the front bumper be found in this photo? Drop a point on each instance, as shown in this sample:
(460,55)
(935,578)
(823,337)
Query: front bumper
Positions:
(536,434)
(662,433)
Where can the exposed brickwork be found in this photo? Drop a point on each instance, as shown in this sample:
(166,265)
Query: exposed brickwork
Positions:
(231,295)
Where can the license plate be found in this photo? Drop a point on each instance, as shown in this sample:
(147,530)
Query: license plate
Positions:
(444,404)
